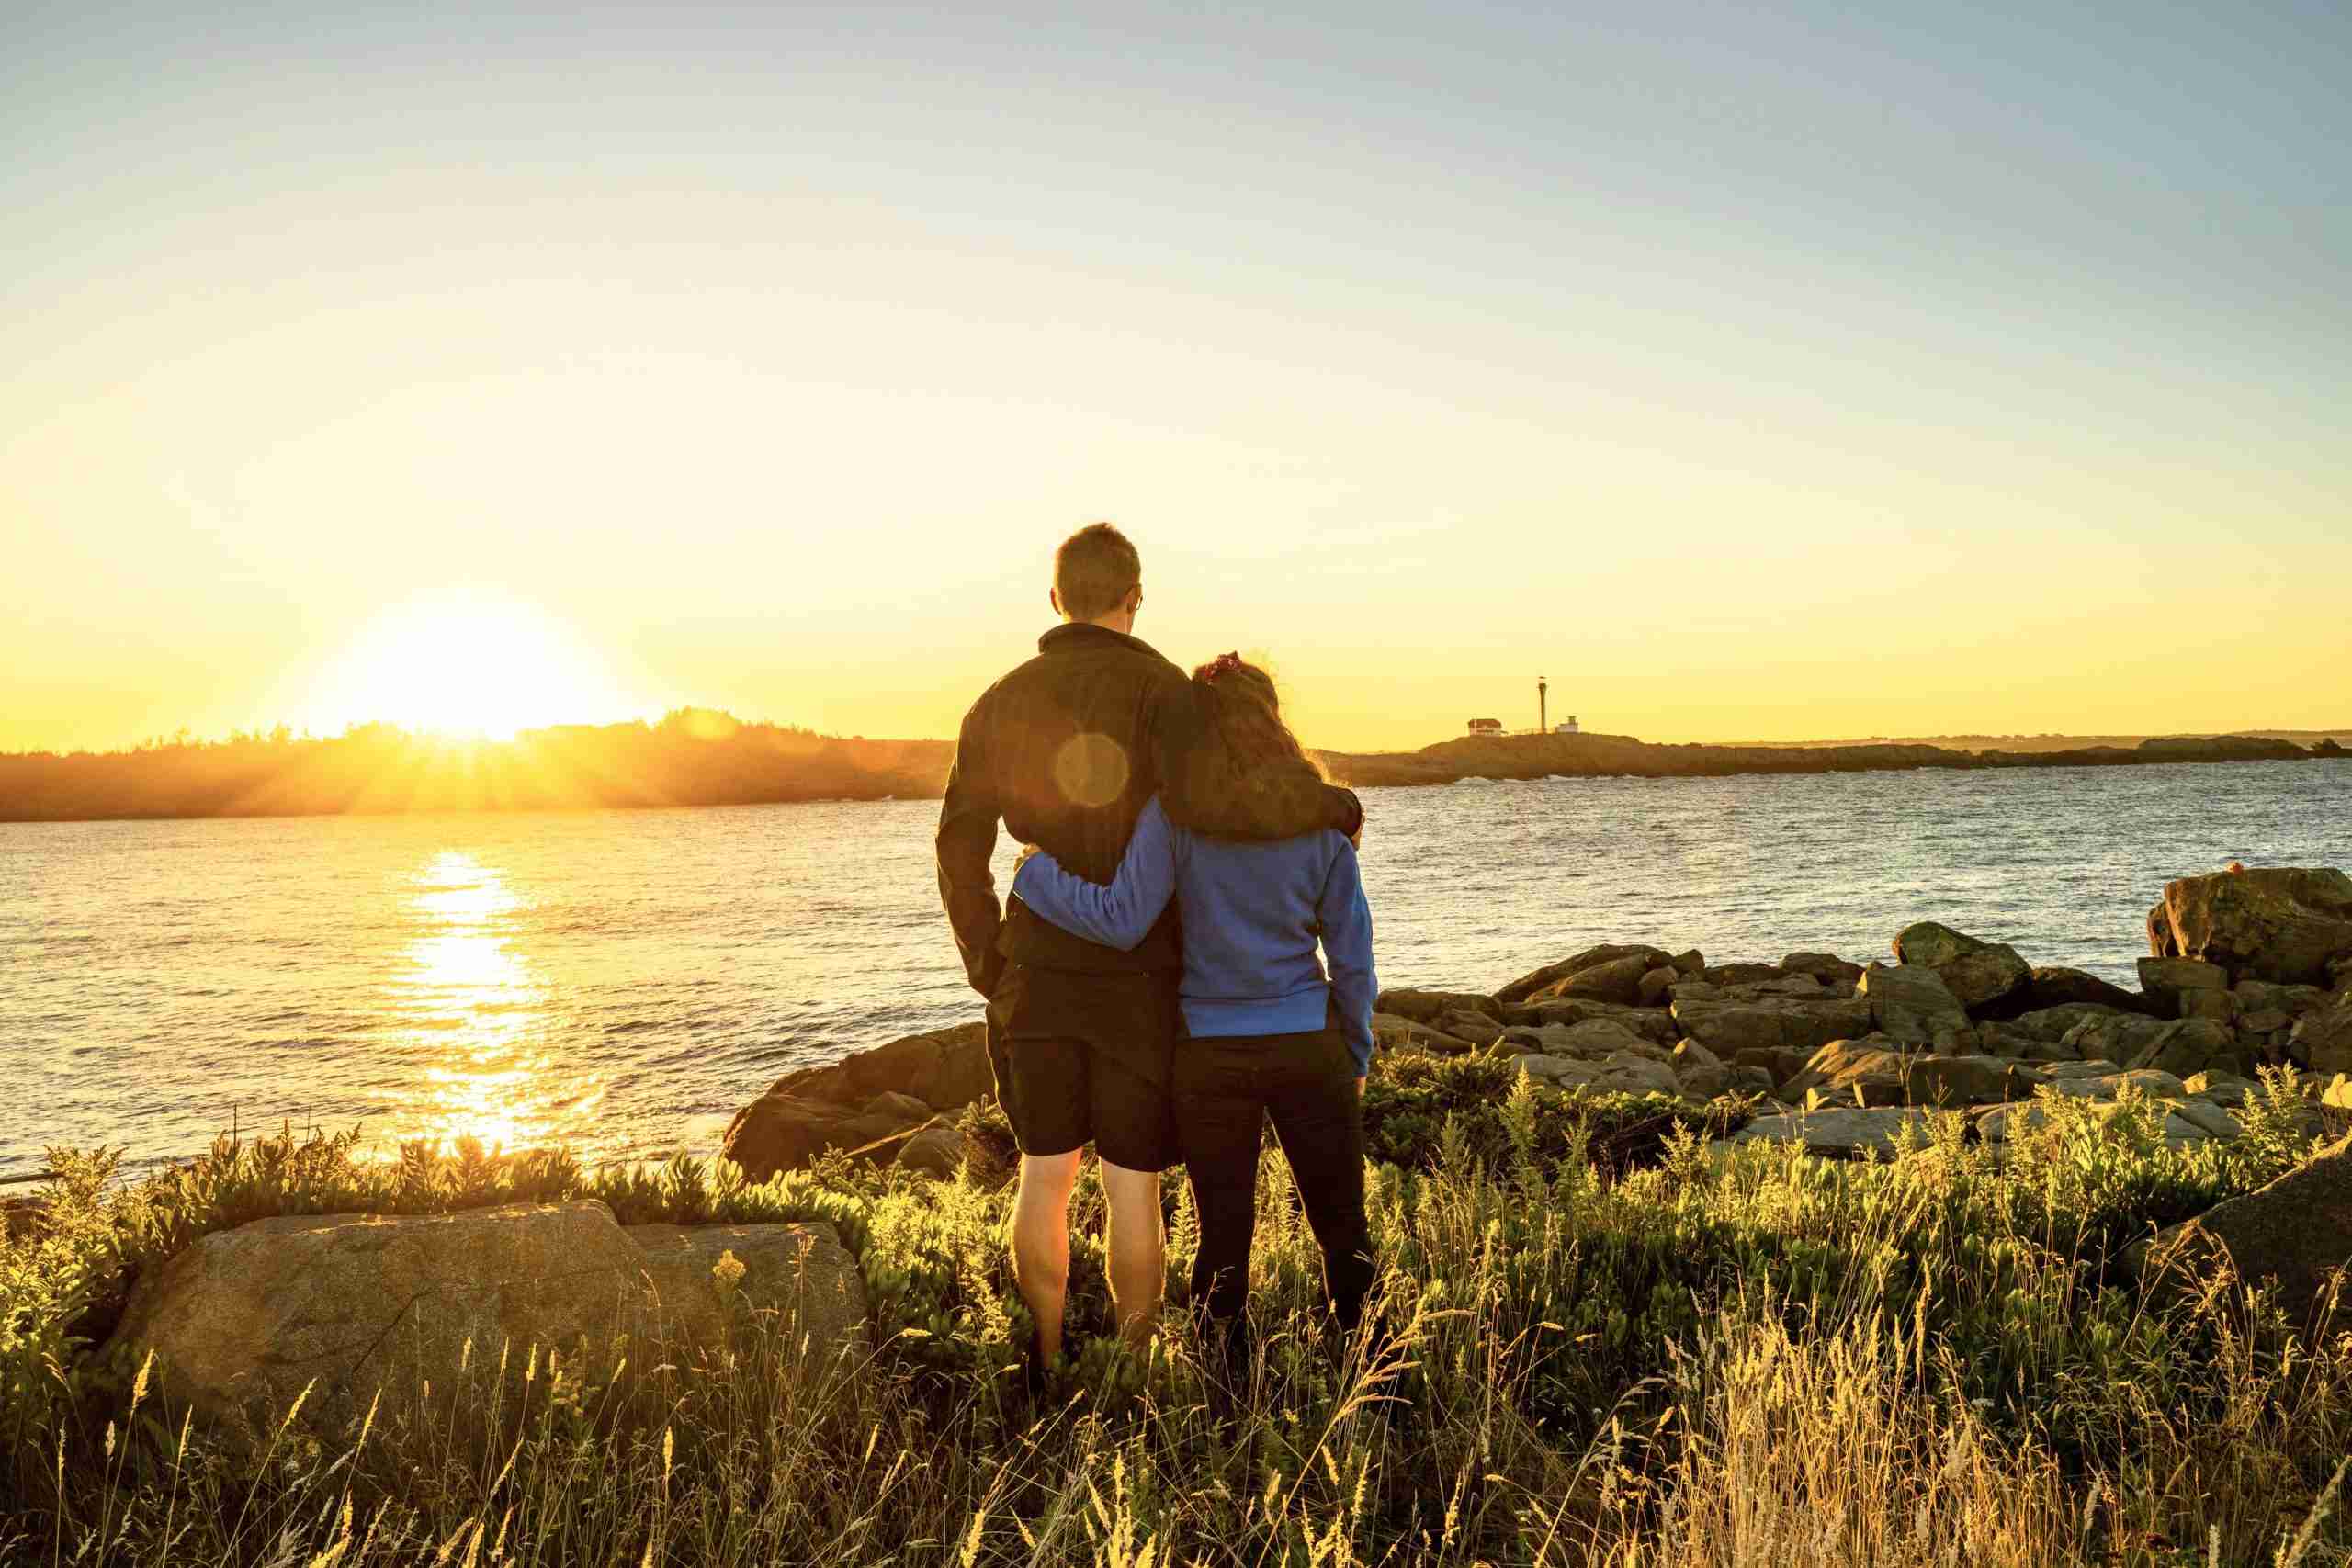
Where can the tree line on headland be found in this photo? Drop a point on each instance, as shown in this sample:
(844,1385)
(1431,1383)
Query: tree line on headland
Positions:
(691,757)
(700,757)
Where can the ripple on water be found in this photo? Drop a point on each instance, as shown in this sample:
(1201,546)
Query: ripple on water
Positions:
(624,980)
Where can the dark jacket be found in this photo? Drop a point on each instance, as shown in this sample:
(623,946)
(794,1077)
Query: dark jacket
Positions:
(1065,750)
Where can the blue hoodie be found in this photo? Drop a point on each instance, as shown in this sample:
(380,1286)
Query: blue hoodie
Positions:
(1251,912)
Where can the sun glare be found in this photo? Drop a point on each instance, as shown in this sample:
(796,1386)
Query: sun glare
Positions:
(467,664)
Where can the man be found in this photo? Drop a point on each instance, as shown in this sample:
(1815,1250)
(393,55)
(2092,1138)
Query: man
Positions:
(1065,750)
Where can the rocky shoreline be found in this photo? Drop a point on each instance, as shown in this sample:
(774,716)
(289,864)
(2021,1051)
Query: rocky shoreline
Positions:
(2248,971)
(1527,757)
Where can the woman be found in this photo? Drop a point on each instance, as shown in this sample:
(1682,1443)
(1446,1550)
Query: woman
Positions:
(1266,1033)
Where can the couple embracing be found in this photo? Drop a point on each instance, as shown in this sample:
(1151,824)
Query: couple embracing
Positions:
(1153,983)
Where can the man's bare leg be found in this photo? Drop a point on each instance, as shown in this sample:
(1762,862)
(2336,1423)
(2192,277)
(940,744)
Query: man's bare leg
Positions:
(1133,1235)
(1041,1242)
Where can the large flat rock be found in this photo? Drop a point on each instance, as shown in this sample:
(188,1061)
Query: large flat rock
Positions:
(350,1306)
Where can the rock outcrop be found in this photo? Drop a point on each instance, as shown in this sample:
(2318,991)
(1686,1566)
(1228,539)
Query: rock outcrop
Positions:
(1958,1023)
(861,1103)
(1980,975)
(2295,1234)
(348,1305)
(2285,924)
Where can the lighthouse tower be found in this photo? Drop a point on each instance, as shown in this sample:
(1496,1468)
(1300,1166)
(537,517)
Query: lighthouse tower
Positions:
(1543,721)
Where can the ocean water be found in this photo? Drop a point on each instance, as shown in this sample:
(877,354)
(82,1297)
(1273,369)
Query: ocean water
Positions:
(624,980)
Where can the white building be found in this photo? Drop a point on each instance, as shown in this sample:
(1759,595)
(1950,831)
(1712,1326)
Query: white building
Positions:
(1485,726)
(1567,728)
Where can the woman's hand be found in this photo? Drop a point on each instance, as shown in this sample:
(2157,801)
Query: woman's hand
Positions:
(1022,858)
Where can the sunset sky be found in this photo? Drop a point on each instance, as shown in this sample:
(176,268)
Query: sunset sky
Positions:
(1753,371)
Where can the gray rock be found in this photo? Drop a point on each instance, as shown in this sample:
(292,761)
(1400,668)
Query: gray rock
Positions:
(2283,923)
(1477,1028)
(2322,1040)
(936,1150)
(1549,979)
(2056,1022)
(1980,975)
(1835,973)
(1912,1004)
(2164,979)
(1837,1131)
(2191,1045)
(2295,1233)
(1426,1007)
(1729,1027)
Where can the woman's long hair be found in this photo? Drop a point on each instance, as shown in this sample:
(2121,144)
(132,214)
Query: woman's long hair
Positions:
(1247,755)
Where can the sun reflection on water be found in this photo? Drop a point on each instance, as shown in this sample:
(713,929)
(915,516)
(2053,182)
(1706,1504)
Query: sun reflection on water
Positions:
(478,1015)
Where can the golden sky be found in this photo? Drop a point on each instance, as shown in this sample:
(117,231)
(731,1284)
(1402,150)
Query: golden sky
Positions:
(1751,380)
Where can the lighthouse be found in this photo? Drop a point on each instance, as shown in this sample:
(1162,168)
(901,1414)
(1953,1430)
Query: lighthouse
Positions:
(1543,720)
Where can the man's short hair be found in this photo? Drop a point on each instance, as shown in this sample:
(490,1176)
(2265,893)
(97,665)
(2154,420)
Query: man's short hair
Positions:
(1094,572)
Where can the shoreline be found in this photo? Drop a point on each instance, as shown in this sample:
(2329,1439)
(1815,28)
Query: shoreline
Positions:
(918,771)
(1530,756)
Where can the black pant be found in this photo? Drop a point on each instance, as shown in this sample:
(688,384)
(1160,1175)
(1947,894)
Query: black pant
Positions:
(1225,1090)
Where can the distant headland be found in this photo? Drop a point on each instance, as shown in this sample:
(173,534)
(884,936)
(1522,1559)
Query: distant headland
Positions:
(698,757)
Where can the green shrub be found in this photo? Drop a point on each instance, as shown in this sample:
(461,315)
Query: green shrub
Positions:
(1750,1358)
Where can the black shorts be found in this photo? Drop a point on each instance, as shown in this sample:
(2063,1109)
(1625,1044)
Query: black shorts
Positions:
(1082,1058)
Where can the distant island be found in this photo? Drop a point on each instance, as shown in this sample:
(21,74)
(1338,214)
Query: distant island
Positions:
(700,757)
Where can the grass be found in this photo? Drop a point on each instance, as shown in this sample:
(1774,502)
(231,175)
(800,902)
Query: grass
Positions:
(1756,1360)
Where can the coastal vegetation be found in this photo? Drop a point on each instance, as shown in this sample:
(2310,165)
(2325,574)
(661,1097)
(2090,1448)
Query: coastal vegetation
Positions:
(1686,1354)
(703,757)
(693,757)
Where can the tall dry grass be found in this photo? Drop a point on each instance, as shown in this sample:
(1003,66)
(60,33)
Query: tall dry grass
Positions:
(1757,1360)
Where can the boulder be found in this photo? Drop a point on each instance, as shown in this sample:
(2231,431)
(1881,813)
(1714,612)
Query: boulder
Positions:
(1835,973)
(784,1132)
(1649,1023)
(1837,1131)
(1618,980)
(2284,924)
(1549,977)
(945,1069)
(2295,1233)
(2191,1045)
(1428,1007)
(2058,987)
(1657,986)
(2167,980)
(1873,1073)
(2053,1022)
(2322,1040)
(1597,1038)
(1625,1072)
(2113,1037)
(897,1108)
(1912,1004)
(1982,976)
(1392,1032)
(244,1320)
(1690,964)
(1477,1028)
(1728,1028)
(933,1150)
(1740,973)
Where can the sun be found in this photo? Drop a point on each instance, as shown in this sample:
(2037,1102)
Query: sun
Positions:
(467,662)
